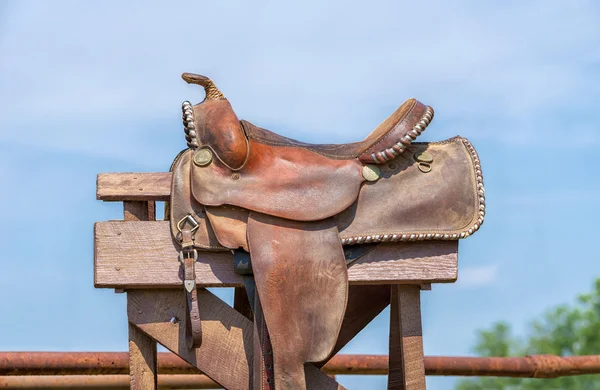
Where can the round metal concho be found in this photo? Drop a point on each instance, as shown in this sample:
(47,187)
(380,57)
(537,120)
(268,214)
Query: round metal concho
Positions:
(203,157)
(423,157)
(371,172)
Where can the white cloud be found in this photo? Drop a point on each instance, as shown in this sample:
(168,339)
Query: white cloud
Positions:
(477,276)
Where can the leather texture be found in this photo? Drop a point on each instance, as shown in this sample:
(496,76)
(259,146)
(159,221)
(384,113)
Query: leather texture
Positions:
(291,183)
(182,204)
(293,205)
(230,225)
(389,132)
(406,200)
(218,126)
(193,326)
(296,265)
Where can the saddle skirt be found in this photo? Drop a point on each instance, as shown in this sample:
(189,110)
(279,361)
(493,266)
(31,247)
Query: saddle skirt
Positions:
(292,206)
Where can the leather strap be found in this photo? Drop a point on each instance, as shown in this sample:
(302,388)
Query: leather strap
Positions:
(188,257)
(263,376)
(193,328)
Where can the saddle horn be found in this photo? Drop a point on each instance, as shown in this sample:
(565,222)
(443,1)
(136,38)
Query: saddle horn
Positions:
(212,92)
(213,124)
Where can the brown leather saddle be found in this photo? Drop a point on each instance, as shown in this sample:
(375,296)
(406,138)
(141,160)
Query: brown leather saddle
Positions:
(286,209)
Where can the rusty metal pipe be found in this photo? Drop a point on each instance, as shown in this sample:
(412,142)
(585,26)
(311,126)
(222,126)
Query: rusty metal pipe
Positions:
(98,382)
(535,366)
(115,363)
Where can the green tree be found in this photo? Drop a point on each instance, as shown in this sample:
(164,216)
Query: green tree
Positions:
(565,330)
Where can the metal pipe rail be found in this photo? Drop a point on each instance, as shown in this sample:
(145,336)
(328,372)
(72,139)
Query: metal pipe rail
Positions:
(117,363)
(101,382)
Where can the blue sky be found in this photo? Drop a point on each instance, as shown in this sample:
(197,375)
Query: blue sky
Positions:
(90,87)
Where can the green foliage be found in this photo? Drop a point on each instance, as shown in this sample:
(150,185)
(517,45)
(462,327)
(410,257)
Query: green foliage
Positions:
(564,330)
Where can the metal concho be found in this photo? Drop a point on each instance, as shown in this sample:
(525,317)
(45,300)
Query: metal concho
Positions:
(371,172)
(203,157)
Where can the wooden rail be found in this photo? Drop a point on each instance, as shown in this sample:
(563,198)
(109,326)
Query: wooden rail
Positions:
(141,254)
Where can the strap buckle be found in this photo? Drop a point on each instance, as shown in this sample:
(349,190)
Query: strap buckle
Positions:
(189,219)
(188,253)
(185,236)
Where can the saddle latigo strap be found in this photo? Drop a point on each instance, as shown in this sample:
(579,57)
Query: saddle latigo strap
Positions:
(188,257)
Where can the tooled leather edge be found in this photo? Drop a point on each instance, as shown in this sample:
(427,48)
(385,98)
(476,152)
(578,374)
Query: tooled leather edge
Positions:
(425,235)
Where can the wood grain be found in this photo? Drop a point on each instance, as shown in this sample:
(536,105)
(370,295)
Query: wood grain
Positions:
(133,254)
(133,186)
(143,371)
(407,367)
(226,348)
(139,211)
(226,334)
(143,367)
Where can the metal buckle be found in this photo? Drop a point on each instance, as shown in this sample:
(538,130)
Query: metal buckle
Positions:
(186,255)
(190,219)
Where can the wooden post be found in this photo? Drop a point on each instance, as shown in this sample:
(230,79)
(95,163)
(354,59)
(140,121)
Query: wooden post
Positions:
(143,367)
(406,365)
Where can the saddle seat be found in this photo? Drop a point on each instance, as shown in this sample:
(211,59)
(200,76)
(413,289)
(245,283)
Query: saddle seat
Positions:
(386,142)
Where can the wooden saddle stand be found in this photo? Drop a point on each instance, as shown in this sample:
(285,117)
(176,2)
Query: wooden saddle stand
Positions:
(317,240)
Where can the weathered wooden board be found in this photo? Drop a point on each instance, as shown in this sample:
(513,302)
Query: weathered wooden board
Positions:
(143,367)
(143,359)
(407,368)
(133,186)
(226,348)
(131,254)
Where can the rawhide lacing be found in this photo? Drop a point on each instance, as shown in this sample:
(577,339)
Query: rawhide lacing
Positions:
(189,125)
(399,147)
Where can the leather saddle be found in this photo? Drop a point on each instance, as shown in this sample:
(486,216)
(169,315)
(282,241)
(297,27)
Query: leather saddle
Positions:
(287,208)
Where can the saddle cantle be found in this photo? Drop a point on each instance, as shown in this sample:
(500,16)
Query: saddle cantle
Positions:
(289,207)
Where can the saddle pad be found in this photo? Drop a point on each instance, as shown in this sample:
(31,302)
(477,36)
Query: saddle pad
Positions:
(432,191)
